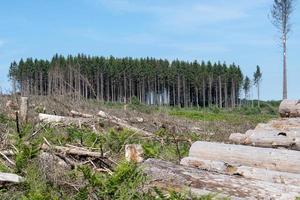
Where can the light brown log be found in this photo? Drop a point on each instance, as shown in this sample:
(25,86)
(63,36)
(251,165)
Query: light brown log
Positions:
(244,171)
(273,159)
(122,123)
(10,178)
(24,109)
(72,151)
(289,108)
(237,138)
(284,124)
(79,114)
(166,175)
(61,119)
(268,138)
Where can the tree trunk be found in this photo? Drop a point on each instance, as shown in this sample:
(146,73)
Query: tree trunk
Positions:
(210,92)
(284,67)
(220,93)
(203,93)
(178,91)
(24,109)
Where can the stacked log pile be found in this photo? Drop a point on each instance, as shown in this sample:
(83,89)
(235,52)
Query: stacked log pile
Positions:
(263,164)
(284,132)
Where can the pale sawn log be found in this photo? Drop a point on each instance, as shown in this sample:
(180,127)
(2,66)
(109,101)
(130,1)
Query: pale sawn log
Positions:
(268,138)
(283,124)
(274,159)
(166,175)
(244,171)
(61,119)
(289,108)
(10,178)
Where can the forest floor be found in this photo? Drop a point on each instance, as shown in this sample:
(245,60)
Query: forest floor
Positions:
(122,180)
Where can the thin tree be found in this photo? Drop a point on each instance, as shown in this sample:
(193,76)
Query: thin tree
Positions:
(281,12)
(257,79)
(246,87)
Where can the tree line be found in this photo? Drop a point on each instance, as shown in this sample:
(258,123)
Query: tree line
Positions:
(152,81)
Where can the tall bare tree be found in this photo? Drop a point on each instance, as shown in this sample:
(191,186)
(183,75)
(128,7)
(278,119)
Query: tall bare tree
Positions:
(257,79)
(281,12)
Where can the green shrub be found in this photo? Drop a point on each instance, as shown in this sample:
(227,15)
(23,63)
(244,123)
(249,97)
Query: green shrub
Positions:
(115,141)
(24,154)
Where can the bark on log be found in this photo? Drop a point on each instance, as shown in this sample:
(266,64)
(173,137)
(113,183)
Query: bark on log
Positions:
(24,109)
(273,159)
(79,114)
(166,175)
(122,123)
(10,178)
(289,108)
(244,171)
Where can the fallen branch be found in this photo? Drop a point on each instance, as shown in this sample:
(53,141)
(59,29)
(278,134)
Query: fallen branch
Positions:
(6,158)
(72,151)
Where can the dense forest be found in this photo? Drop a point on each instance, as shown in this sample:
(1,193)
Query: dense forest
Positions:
(151,81)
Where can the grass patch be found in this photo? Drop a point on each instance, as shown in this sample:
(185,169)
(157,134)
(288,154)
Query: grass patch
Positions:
(234,116)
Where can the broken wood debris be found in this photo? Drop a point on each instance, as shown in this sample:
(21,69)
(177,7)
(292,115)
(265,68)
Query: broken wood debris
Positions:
(10,178)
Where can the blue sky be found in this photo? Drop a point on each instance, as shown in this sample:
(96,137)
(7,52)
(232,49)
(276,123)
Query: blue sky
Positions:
(218,30)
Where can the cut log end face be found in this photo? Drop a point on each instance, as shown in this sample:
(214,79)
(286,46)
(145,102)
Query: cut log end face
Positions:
(134,153)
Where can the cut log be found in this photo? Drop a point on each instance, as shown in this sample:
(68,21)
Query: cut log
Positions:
(285,124)
(289,108)
(273,159)
(61,119)
(10,178)
(244,171)
(24,109)
(79,114)
(51,118)
(166,175)
(238,138)
(268,138)
(122,123)
(72,151)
